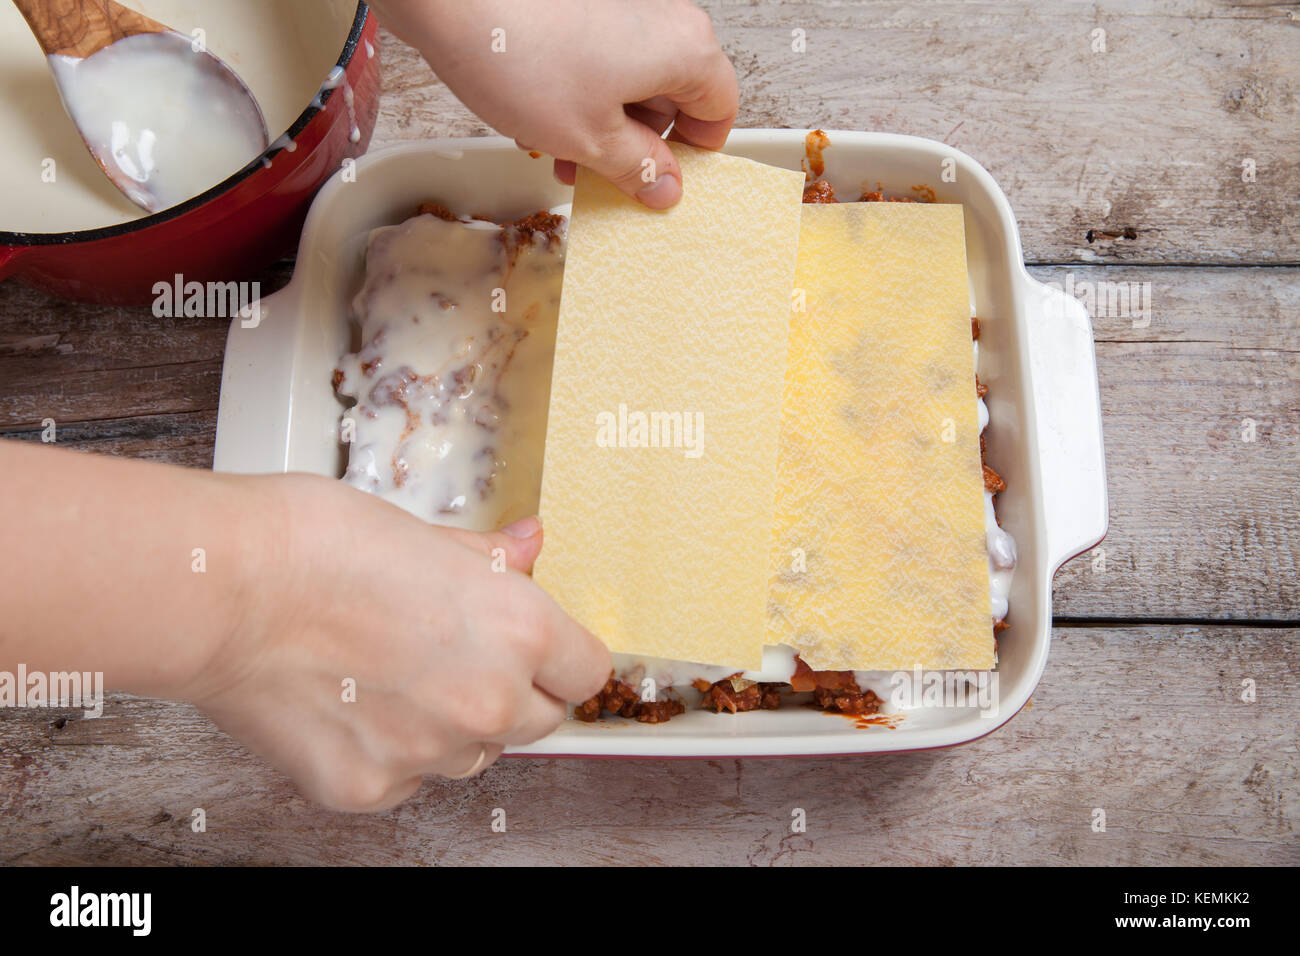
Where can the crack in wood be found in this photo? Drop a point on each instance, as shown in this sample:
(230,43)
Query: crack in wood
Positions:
(1128,232)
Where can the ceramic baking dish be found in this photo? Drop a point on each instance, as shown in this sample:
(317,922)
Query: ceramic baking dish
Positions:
(279,413)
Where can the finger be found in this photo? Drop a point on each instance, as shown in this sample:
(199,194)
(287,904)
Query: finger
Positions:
(518,544)
(576,664)
(403,791)
(707,107)
(640,164)
(539,714)
(566,171)
(657,113)
(469,761)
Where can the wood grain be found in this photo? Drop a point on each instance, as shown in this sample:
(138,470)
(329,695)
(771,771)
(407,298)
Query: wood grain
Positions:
(1144,723)
(82,364)
(1204,524)
(1132,155)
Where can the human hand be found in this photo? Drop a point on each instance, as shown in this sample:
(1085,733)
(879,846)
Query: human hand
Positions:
(451,660)
(591,82)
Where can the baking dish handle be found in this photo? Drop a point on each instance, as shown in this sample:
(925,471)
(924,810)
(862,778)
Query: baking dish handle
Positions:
(1063,372)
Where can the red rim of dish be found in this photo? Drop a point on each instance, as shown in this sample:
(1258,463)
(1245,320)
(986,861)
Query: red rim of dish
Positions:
(122,228)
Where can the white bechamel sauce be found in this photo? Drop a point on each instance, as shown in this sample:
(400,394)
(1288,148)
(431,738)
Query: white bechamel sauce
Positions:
(1002,561)
(350,101)
(283,142)
(167,123)
(778,667)
(1001,546)
(48,181)
(335,79)
(452,396)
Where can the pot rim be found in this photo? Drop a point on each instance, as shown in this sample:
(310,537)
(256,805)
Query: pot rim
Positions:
(20,239)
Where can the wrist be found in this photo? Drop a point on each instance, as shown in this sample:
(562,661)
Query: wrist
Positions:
(242,587)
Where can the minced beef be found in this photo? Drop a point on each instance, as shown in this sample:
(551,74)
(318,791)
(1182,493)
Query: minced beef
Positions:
(723,695)
(993,481)
(834,690)
(819,191)
(619,697)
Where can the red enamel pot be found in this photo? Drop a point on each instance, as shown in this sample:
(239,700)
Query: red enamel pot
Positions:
(235,229)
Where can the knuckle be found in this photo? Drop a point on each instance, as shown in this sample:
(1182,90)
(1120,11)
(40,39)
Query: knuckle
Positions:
(495,713)
(697,27)
(589,147)
(621,157)
(635,172)
(638,173)
(527,624)
(462,705)
(423,750)
(532,640)
(355,790)
(553,716)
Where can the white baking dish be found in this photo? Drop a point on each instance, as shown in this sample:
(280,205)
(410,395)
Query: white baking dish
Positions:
(279,413)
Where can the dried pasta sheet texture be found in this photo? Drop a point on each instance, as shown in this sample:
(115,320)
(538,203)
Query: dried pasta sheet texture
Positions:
(661,450)
(878,555)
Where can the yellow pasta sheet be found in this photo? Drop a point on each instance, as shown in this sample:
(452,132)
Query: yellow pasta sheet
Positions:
(663,432)
(879,558)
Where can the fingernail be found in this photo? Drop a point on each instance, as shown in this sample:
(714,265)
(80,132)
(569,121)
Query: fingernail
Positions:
(523,528)
(661,193)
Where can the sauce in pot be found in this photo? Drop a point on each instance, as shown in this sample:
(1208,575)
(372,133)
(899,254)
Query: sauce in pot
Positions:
(282,49)
(166,122)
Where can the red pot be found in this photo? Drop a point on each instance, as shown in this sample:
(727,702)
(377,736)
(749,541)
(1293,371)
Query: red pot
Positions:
(229,233)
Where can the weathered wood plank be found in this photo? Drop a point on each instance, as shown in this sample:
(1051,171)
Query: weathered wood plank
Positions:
(1204,524)
(116,393)
(81,363)
(182,439)
(1140,147)
(1145,724)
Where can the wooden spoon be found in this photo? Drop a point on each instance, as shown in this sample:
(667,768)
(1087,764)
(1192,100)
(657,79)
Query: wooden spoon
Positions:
(155,113)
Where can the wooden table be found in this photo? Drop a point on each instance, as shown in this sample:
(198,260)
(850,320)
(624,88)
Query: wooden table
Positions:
(1122,165)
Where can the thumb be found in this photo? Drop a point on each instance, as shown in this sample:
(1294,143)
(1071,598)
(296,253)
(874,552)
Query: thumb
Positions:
(639,162)
(518,543)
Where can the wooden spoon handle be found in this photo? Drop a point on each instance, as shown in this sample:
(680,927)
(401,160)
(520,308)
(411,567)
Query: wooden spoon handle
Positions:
(82,27)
